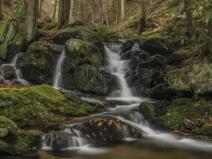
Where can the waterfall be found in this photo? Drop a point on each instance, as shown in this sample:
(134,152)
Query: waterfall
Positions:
(127,112)
(132,115)
(57,81)
(18,73)
(118,68)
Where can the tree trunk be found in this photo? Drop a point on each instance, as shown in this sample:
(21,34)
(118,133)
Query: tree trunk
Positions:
(1,14)
(64,13)
(40,8)
(122,10)
(189,18)
(209,44)
(71,18)
(55,9)
(144,12)
(32,18)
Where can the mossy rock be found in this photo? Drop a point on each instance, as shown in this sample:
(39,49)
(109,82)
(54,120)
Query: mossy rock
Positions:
(84,68)
(76,48)
(86,33)
(16,144)
(13,33)
(7,127)
(39,105)
(38,63)
(193,76)
(187,115)
(79,32)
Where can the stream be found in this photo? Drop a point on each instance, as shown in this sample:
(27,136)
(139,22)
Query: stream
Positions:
(153,144)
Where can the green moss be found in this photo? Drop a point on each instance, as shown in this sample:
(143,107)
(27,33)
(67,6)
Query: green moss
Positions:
(8,125)
(149,110)
(182,109)
(12,31)
(38,54)
(205,130)
(77,49)
(36,106)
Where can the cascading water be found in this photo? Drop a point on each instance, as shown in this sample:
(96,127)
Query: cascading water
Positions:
(128,113)
(57,80)
(135,118)
(18,73)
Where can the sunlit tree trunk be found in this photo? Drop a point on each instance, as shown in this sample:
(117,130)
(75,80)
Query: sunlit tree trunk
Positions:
(71,18)
(189,17)
(32,18)
(40,8)
(55,9)
(122,10)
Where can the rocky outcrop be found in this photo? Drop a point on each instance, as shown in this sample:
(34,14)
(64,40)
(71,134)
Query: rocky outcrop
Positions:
(84,69)
(13,32)
(39,61)
(37,106)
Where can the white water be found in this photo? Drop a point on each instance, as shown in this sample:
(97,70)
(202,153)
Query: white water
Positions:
(57,80)
(19,77)
(131,113)
(118,68)
(135,119)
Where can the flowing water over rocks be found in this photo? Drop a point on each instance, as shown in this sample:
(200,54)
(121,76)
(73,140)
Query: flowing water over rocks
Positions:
(57,80)
(11,74)
(124,122)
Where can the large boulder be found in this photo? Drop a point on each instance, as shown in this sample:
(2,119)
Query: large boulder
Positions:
(38,63)
(154,47)
(85,68)
(40,105)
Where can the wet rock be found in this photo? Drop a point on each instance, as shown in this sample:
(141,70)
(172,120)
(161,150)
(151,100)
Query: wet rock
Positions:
(127,46)
(84,69)
(174,59)
(107,129)
(161,91)
(8,72)
(156,61)
(58,140)
(38,63)
(154,47)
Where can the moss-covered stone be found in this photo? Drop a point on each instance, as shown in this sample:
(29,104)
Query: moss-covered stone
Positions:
(37,106)
(13,32)
(188,115)
(84,68)
(86,34)
(38,63)
(7,127)
(76,48)
(193,76)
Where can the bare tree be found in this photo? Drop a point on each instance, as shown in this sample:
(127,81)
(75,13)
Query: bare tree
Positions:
(144,11)
(32,18)
(55,9)
(1,14)
(189,17)
(40,8)
(122,10)
(64,13)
